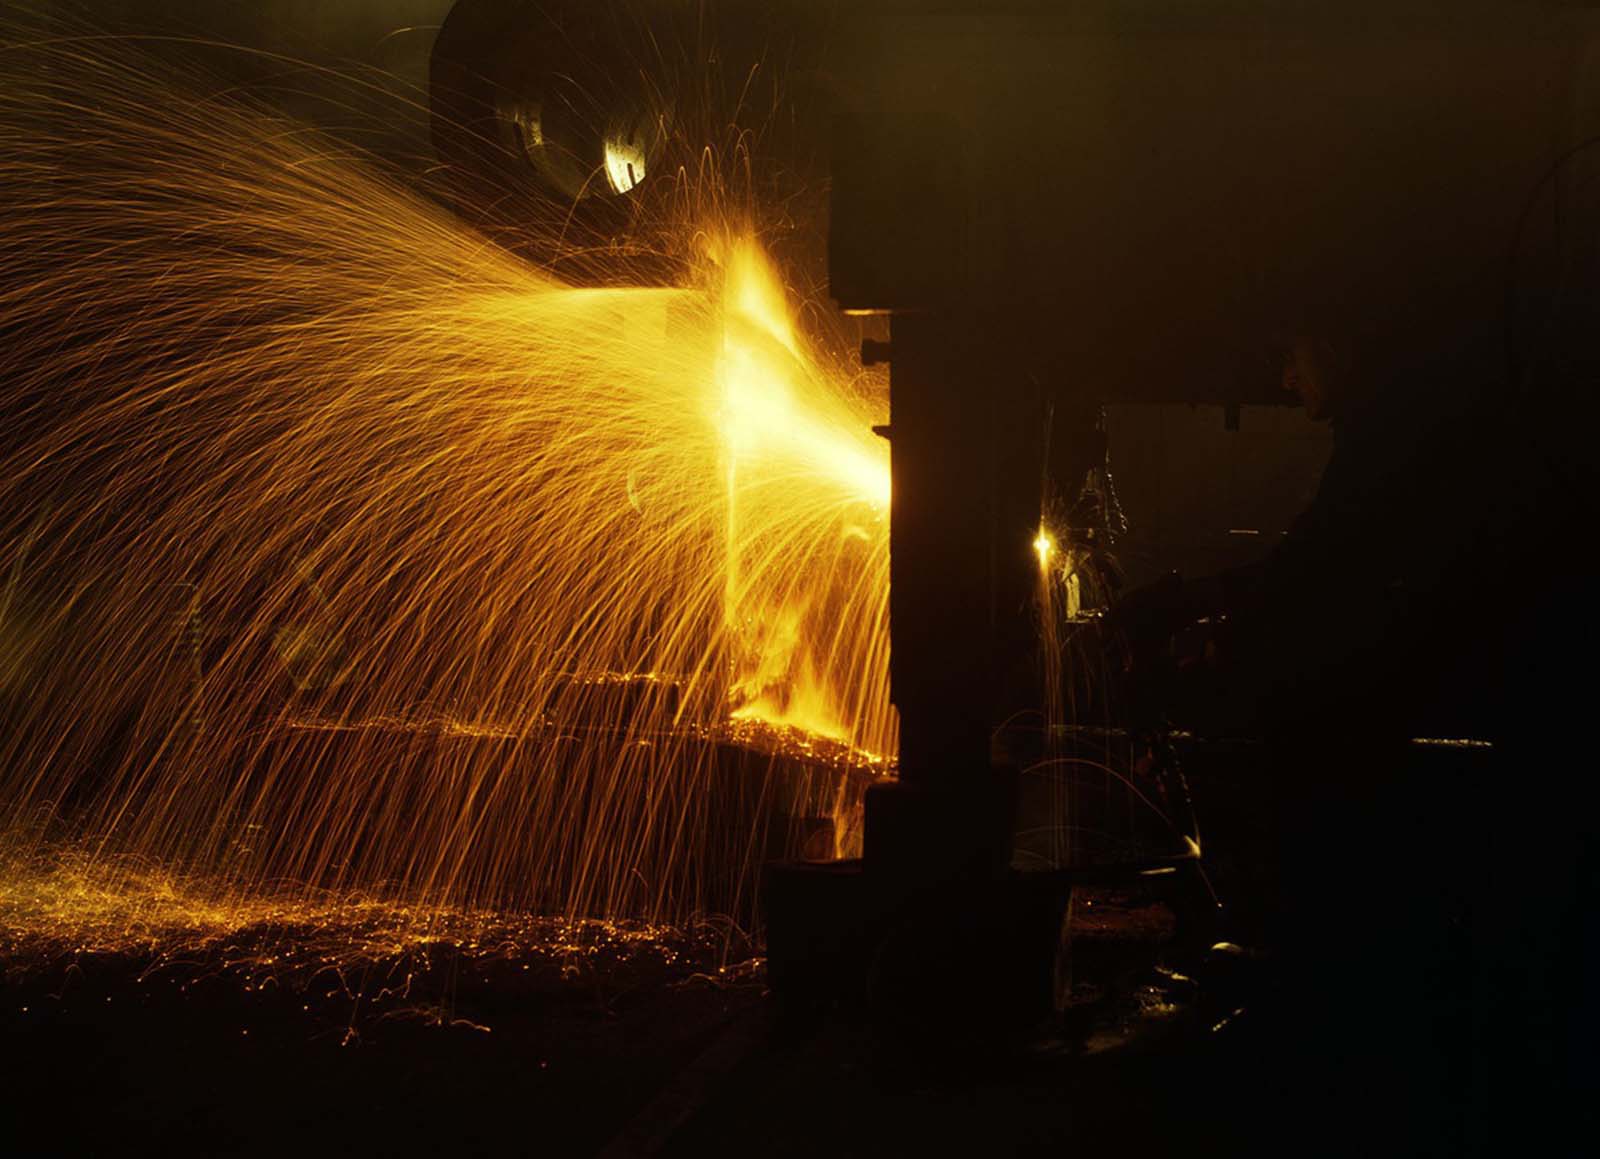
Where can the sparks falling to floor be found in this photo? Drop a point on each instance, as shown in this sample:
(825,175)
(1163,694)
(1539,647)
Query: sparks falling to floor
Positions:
(345,552)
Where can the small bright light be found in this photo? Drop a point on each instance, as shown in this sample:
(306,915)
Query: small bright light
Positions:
(1044,547)
(624,164)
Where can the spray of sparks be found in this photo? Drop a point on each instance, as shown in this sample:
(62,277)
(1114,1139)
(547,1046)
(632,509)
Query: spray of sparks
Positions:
(345,552)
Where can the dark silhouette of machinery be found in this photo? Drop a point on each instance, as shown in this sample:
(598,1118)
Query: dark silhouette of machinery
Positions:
(1057,207)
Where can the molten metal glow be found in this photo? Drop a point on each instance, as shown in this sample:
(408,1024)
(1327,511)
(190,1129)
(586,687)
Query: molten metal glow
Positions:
(345,549)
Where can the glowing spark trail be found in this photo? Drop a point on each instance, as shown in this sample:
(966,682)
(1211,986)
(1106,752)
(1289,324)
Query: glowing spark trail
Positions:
(345,551)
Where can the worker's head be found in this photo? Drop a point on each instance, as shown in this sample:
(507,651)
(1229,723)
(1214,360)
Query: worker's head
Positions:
(1345,338)
(1312,372)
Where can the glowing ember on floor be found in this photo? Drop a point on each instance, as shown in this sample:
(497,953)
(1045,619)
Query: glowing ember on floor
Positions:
(73,905)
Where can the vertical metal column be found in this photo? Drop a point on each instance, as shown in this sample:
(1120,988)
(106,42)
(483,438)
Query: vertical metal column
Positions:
(939,554)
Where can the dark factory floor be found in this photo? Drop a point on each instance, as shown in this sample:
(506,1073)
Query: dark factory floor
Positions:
(538,1056)
(639,1048)
(669,1045)
(651,1052)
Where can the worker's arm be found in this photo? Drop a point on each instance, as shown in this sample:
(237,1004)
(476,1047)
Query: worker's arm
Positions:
(1173,602)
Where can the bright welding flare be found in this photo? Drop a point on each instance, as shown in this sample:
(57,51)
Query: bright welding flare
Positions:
(771,405)
(1044,546)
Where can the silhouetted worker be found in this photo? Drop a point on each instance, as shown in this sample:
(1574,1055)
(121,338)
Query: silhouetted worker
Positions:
(1381,617)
